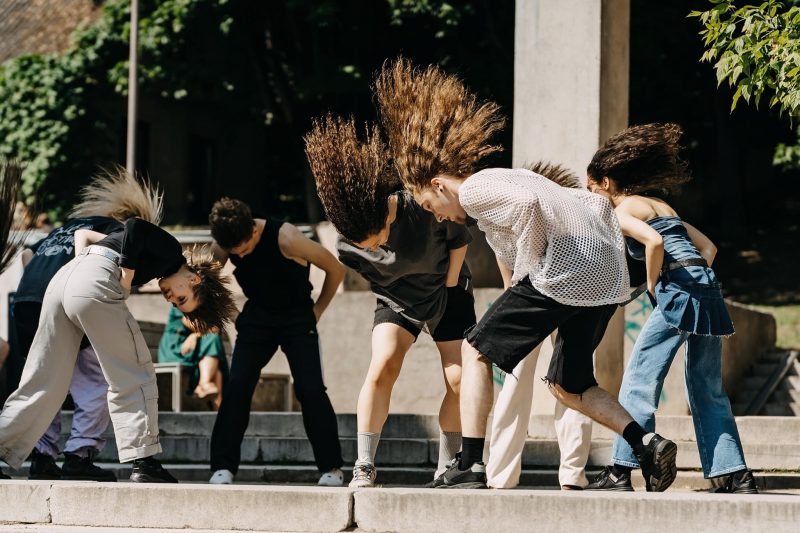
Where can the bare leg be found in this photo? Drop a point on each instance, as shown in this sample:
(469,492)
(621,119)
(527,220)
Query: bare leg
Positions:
(209,368)
(476,392)
(390,343)
(216,402)
(597,404)
(449,412)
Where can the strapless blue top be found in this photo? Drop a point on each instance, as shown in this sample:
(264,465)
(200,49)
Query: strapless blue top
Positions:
(690,297)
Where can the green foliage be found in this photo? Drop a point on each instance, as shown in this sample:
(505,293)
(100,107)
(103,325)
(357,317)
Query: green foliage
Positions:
(45,99)
(756,49)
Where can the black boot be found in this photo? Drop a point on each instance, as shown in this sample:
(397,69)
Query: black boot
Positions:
(43,466)
(84,469)
(149,470)
(741,482)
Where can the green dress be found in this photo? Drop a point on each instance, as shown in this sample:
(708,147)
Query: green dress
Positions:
(169,349)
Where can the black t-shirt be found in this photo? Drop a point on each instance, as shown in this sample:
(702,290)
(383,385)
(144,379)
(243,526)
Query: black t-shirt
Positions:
(147,249)
(410,270)
(270,280)
(55,251)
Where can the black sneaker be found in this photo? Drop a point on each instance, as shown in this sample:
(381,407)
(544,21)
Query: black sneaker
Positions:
(657,459)
(741,482)
(43,466)
(610,479)
(84,469)
(4,476)
(149,470)
(473,477)
(438,480)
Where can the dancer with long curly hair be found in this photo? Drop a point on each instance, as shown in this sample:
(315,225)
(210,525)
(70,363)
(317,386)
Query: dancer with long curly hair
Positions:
(563,246)
(416,269)
(633,169)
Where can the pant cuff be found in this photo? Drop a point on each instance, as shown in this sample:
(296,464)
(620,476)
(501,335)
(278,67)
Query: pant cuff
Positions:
(130,454)
(620,462)
(726,471)
(14,460)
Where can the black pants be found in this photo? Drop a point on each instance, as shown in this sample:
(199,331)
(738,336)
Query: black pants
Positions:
(259,334)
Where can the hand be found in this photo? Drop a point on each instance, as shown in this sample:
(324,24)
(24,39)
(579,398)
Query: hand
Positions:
(127,278)
(189,344)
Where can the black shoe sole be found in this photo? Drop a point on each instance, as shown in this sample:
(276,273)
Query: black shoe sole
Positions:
(467,485)
(42,477)
(664,468)
(145,478)
(612,489)
(89,478)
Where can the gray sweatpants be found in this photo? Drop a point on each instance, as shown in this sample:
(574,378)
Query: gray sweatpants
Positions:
(85,296)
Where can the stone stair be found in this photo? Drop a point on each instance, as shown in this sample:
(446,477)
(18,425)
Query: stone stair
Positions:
(772,386)
(275,449)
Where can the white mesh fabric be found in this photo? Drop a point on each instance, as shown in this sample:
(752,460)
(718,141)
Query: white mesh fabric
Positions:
(567,240)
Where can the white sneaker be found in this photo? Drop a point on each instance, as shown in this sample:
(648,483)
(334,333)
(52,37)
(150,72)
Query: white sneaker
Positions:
(364,475)
(334,478)
(221,477)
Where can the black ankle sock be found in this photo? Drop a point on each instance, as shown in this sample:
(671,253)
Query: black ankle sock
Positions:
(620,470)
(633,434)
(471,451)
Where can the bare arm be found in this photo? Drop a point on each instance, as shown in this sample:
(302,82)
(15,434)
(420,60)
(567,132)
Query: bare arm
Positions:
(457,256)
(294,245)
(702,243)
(652,241)
(26,256)
(506,272)
(86,237)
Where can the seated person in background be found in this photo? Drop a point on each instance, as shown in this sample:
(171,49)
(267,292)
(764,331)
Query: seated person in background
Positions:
(203,354)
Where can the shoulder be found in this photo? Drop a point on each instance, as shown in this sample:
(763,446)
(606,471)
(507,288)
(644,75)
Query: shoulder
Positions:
(636,207)
(289,235)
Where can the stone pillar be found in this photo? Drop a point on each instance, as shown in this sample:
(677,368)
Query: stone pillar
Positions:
(570,94)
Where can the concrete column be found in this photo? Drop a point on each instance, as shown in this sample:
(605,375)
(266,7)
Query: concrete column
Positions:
(570,94)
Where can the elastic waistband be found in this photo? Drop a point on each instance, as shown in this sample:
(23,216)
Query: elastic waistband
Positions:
(108,253)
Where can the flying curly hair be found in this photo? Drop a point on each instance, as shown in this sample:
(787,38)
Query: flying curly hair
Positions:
(354,178)
(433,124)
(216,305)
(117,194)
(558,174)
(642,159)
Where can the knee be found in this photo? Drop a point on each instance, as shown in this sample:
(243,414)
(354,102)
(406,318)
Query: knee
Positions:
(567,398)
(472,357)
(384,376)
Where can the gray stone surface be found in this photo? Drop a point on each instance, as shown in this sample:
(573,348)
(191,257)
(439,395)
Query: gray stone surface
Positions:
(408,510)
(24,501)
(241,507)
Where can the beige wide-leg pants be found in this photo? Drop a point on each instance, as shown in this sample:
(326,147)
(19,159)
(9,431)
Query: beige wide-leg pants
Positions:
(85,296)
(510,421)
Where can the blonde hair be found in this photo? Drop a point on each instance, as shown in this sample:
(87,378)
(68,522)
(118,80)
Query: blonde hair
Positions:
(433,124)
(117,194)
(558,174)
(354,179)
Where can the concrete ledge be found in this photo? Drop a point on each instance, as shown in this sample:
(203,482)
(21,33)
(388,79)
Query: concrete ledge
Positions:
(25,501)
(201,506)
(404,510)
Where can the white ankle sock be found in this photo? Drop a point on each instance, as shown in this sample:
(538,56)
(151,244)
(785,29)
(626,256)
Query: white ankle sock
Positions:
(449,446)
(367,446)
(647,438)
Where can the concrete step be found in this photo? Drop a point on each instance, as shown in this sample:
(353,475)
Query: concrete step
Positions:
(753,429)
(782,409)
(419,452)
(415,476)
(763,369)
(269,508)
(785,396)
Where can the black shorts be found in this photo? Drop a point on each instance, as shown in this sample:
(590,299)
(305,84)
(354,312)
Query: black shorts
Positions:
(522,317)
(458,318)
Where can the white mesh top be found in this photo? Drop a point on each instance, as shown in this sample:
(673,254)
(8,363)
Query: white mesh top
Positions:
(567,240)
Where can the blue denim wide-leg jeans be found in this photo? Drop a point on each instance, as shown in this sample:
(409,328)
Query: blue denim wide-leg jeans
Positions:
(717,436)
